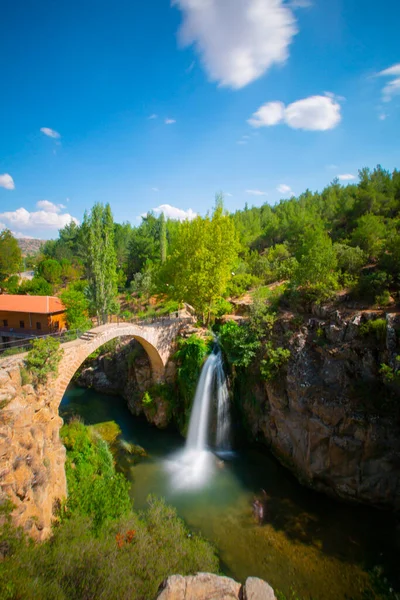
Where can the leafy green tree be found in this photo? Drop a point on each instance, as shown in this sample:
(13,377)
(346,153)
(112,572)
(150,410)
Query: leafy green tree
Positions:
(51,270)
(370,234)
(350,259)
(10,255)
(200,264)
(239,344)
(163,238)
(43,359)
(317,261)
(77,313)
(144,245)
(101,261)
(37,286)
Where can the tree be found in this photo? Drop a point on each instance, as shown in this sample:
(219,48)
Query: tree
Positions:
(316,271)
(369,234)
(77,313)
(163,238)
(101,261)
(37,286)
(201,261)
(50,269)
(10,255)
(43,359)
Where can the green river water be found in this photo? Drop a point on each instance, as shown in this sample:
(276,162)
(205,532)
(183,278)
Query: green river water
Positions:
(320,548)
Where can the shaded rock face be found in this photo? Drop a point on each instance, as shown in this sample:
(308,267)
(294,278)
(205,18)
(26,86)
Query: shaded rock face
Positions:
(32,456)
(329,416)
(205,586)
(127,372)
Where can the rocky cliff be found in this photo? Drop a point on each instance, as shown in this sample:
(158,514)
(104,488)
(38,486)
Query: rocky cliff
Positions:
(330,416)
(32,456)
(206,586)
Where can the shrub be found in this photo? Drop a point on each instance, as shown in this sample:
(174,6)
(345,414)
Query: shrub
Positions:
(38,286)
(383,299)
(240,283)
(221,307)
(350,259)
(372,285)
(376,328)
(43,359)
(239,343)
(147,399)
(275,359)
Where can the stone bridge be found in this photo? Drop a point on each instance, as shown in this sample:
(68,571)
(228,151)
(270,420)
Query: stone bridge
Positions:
(32,457)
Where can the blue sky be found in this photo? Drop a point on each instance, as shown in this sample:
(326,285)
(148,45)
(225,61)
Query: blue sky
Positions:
(257,98)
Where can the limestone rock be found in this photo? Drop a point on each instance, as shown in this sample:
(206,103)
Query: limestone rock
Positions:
(203,586)
(257,589)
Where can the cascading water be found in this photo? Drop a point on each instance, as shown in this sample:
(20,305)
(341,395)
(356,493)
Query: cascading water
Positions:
(223,411)
(195,464)
(199,418)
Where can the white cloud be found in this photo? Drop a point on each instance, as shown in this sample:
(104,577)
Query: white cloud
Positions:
(190,67)
(237,40)
(300,3)
(41,219)
(256,193)
(18,235)
(382,116)
(268,114)
(169,121)
(242,142)
(393,87)
(48,206)
(50,132)
(228,195)
(171,212)
(316,113)
(284,189)
(346,177)
(155,189)
(153,116)
(331,167)
(7,182)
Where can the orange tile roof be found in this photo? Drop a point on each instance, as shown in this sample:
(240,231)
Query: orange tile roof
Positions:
(44,305)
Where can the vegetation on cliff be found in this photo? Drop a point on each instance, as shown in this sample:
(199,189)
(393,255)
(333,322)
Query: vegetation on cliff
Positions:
(100,547)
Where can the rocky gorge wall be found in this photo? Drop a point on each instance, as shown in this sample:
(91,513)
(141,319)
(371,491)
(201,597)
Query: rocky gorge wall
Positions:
(329,416)
(32,457)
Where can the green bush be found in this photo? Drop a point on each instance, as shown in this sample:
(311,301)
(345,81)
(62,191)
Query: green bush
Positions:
(376,328)
(239,343)
(221,307)
(383,299)
(350,259)
(240,283)
(275,359)
(371,285)
(147,399)
(43,359)
(38,286)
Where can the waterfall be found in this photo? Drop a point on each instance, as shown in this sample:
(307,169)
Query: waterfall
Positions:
(194,466)
(198,425)
(223,412)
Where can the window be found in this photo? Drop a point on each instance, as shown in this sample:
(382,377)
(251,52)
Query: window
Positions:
(5,322)
(56,325)
(22,324)
(38,325)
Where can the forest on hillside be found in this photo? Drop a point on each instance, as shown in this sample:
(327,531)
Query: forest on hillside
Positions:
(342,238)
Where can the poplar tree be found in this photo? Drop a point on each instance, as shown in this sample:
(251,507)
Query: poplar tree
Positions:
(101,261)
(163,238)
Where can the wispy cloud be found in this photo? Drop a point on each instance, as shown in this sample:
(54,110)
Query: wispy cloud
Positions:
(190,67)
(285,189)
(300,3)
(172,212)
(239,40)
(50,132)
(316,113)
(155,189)
(346,177)
(392,88)
(153,116)
(48,217)
(7,182)
(170,121)
(256,193)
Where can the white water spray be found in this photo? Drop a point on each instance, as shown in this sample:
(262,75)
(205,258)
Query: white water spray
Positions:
(195,465)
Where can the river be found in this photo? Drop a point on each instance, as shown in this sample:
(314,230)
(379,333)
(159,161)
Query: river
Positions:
(320,548)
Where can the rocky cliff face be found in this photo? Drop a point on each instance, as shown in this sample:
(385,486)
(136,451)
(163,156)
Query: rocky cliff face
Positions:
(330,417)
(127,373)
(213,587)
(32,456)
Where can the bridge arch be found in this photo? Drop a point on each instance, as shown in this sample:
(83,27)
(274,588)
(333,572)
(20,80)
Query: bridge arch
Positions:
(156,339)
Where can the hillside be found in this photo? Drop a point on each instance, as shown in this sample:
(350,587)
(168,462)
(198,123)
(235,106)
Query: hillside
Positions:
(30,245)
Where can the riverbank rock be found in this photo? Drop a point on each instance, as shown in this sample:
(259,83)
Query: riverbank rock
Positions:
(206,586)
